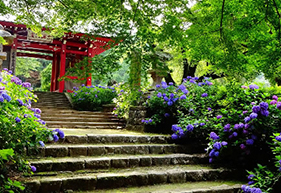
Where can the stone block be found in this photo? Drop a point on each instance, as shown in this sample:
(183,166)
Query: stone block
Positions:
(158,161)
(196,175)
(169,149)
(157,178)
(79,183)
(134,162)
(103,163)
(110,182)
(120,163)
(176,177)
(50,185)
(56,151)
(77,151)
(94,139)
(141,149)
(68,166)
(156,149)
(43,166)
(33,186)
(99,150)
(110,150)
(145,161)
(181,160)
(76,139)
(158,139)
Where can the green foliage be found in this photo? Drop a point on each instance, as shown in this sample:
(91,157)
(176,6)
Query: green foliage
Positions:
(25,65)
(46,78)
(92,98)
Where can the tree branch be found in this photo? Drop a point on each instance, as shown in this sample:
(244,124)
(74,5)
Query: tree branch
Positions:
(279,24)
(63,4)
(222,9)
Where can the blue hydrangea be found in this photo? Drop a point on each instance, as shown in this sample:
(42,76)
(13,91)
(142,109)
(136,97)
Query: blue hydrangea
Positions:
(214,136)
(219,116)
(170,103)
(182,87)
(182,97)
(253,86)
(33,168)
(256,109)
(234,134)
(166,98)
(204,95)
(264,112)
(56,138)
(264,105)
(192,81)
(60,133)
(159,95)
(224,143)
(175,128)
(189,127)
(249,141)
(217,145)
(209,109)
(17,119)
(41,143)
(236,126)
(217,154)
(158,86)
(6,96)
(278,138)
(20,102)
(185,91)
(251,176)
(202,124)
(247,119)
(253,115)
(166,115)
(174,136)
(172,95)
(227,127)
(1,99)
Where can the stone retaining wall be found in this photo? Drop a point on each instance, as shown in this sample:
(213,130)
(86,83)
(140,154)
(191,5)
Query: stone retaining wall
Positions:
(136,114)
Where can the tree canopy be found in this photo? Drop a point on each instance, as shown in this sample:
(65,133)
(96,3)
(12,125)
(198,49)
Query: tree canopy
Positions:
(235,38)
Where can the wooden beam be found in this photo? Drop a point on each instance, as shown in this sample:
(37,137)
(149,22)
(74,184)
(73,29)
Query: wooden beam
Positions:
(33,45)
(23,54)
(77,52)
(35,50)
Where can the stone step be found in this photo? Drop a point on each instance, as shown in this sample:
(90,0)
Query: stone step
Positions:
(120,161)
(76,115)
(135,177)
(72,111)
(75,123)
(188,187)
(81,119)
(58,109)
(115,138)
(70,126)
(75,150)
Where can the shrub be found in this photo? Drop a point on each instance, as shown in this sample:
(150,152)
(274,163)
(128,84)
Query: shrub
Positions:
(92,97)
(46,78)
(21,129)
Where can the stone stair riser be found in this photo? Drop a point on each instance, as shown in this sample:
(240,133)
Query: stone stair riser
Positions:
(81,119)
(117,181)
(107,163)
(85,126)
(109,139)
(110,150)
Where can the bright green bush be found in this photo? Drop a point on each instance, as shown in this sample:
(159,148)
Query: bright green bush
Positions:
(91,98)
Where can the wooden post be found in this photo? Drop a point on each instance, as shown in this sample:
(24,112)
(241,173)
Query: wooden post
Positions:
(54,73)
(90,55)
(62,65)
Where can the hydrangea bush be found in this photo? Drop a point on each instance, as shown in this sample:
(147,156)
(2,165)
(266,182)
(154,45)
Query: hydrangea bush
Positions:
(92,98)
(21,131)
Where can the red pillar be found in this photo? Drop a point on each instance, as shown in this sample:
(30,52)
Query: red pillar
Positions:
(62,65)
(54,72)
(90,55)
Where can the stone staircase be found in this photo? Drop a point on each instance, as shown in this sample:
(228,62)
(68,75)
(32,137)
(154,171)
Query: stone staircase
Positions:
(58,113)
(110,160)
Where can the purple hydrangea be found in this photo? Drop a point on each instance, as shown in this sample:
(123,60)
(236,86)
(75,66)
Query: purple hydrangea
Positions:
(204,95)
(234,134)
(170,103)
(264,112)
(242,146)
(214,136)
(6,97)
(278,138)
(217,145)
(56,138)
(256,109)
(246,126)
(244,87)
(20,102)
(164,85)
(60,133)
(202,124)
(274,97)
(253,115)
(264,105)
(247,119)
(185,91)
(41,143)
(253,86)
(273,102)
(33,168)
(236,126)
(227,128)
(174,136)
(166,115)
(159,95)
(170,83)
(209,109)
(216,154)
(1,99)
(158,86)
(182,87)
(17,119)
(182,97)
(251,176)
(175,128)
(172,95)
(166,98)
(219,116)
(224,143)
(249,141)
(278,105)
(244,112)
(192,81)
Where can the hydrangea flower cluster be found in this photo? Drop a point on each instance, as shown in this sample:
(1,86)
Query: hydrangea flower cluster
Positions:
(248,189)
(57,133)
